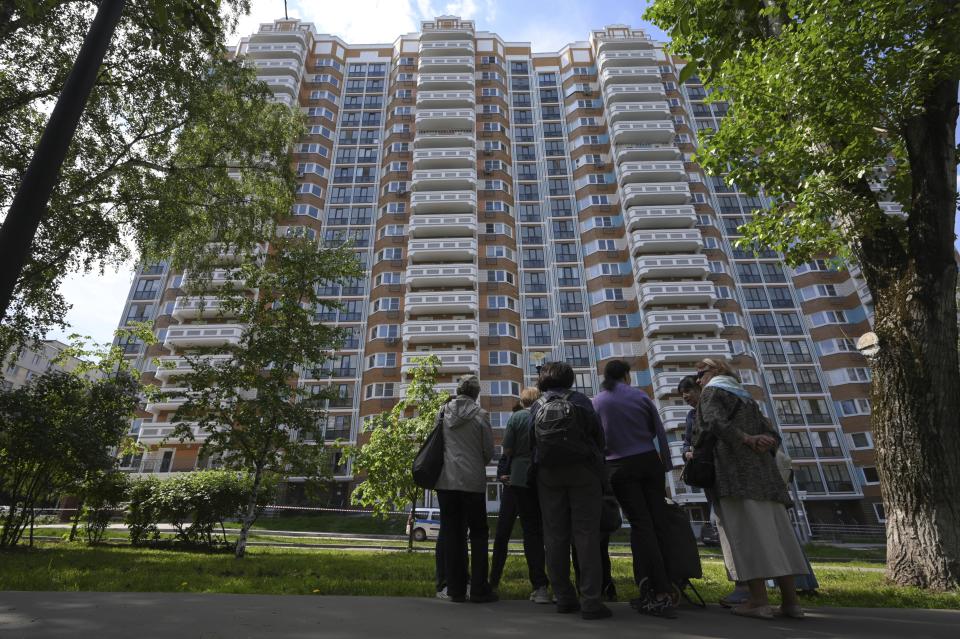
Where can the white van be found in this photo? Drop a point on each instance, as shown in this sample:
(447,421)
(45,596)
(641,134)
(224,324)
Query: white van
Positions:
(426,524)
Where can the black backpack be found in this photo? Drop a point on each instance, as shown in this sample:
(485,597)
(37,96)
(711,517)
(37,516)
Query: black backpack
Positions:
(560,429)
(428,464)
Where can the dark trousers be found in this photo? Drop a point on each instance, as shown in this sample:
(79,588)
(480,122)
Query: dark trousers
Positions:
(440,568)
(531,520)
(509,511)
(608,589)
(459,512)
(570,500)
(638,484)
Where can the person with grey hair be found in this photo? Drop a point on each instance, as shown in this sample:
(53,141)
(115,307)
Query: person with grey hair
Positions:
(461,491)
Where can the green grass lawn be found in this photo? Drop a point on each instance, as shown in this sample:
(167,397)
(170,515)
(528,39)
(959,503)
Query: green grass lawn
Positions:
(75,567)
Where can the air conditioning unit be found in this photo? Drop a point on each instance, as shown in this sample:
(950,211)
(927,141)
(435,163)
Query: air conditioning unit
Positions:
(299,173)
(600,165)
(486,172)
(401,191)
(392,341)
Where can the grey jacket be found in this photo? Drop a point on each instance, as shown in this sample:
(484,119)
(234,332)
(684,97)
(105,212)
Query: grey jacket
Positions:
(467,446)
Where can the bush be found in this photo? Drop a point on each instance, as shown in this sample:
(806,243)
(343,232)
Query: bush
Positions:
(196,504)
(105,494)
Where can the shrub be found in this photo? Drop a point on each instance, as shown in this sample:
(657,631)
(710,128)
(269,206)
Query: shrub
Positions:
(105,495)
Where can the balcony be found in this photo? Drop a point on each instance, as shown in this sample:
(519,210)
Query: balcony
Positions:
(672,351)
(646,152)
(444,180)
(445,120)
(441,99)
(449,388)
(444,81)
(156,432)
(443,226)
(217,279)
(450,361)
(631,172)
(275,51)
(235,254)
(441,276)
(290,68)
(280,85)
(660,217)
(829,451)
(446,138)
(193,335)
(659,293)
(665,384)
(444,201)
(633,111)
(173,366)
(454,302)
(643,132)
(660,322)
(175,397)
(444,158)
(892,208)
(193,307)
(608,56)
(439,64)
(633,92)
(674,266)
(689,241)
(630,74)
(655,193)
(442,250)
(440,331)
(440,47)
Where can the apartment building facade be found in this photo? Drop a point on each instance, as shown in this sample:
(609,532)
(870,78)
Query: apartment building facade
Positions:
(513,207)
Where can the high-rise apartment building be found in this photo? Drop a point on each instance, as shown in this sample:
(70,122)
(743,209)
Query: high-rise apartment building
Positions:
(514,207)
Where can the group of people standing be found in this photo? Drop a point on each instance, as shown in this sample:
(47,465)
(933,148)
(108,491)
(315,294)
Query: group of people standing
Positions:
(563,453)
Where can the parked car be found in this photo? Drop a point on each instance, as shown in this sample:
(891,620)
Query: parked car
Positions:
(426,524)
(709,535)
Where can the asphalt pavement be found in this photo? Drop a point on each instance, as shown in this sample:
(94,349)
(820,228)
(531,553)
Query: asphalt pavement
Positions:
(103,615)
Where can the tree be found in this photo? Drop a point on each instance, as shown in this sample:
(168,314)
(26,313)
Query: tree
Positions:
(54,431)
(177,144)
(836,105)
(250,409)
(386,459)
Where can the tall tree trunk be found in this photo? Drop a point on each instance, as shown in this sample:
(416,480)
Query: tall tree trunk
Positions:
(916,384)
(29,204)
(250,515)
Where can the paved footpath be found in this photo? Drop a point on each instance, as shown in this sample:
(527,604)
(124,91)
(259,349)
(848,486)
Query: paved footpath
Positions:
(82,615)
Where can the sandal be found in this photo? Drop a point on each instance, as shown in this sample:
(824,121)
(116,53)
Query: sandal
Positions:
(792,612)
(758,612)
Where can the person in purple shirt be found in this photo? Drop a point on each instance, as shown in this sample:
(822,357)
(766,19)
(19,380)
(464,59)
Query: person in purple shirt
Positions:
(638,455)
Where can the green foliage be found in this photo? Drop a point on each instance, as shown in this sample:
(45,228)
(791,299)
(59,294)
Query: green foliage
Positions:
(104,494)
(177,143)
(821,93)
(396,435)
(196,504)
(250,409)
(54,432)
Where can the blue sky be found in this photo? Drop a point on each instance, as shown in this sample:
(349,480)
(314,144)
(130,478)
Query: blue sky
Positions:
(549,24)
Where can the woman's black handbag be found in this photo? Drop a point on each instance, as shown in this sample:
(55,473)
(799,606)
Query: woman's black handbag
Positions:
(699,471)
(610,518)
(428,464)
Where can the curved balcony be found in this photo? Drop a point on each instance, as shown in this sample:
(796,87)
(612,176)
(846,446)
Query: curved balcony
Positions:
(665,384)
(440,331)
(630,111)
(662,293)
(634,92)
(281,85)
(659,322)
(655,193)
(446,138)
(444,201)
(660,217)
(632,49)
(673,266)
(674,417)
(445,120)
(446,47)
(453,302)
(444,180)
(156,432)
(444,81)
(289,68)
(174,366)
(630,74)
(450,361)
(462,250)
(450,388)
(652,172)
(428,64)
(217,278)
(441,276)
(643,132)
(176,397)
(672,351)
(442,99)
(646,152)
(442,226)
(192,335)
(444,158)
(273,51)
(193,307)
(687,241)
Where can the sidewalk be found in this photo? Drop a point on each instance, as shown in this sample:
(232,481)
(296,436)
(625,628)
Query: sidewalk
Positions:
(51,615)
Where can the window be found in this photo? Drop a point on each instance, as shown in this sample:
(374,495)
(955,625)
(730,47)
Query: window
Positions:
(763,324)
(879,512)
(393,253)
(496,251)
(504,358)
(380,391)
(500,276)
(504,387)
(501,302)
(573,328)
(533,258)
(382,360)
(535,282)
(824,318)
(385,331)
(852,407)
(539,334)
(501,329)
(571,302)
(577,355)
(385,304)
(568,275)
(352,311)
(498,229)
(536,308)
(870,475)
(859,441)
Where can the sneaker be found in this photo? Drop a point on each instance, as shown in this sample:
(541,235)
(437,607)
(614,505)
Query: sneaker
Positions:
(567,608)
(541,596)
(756,612)
(489,597)
(657,607)
(596,613)
(442,594)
